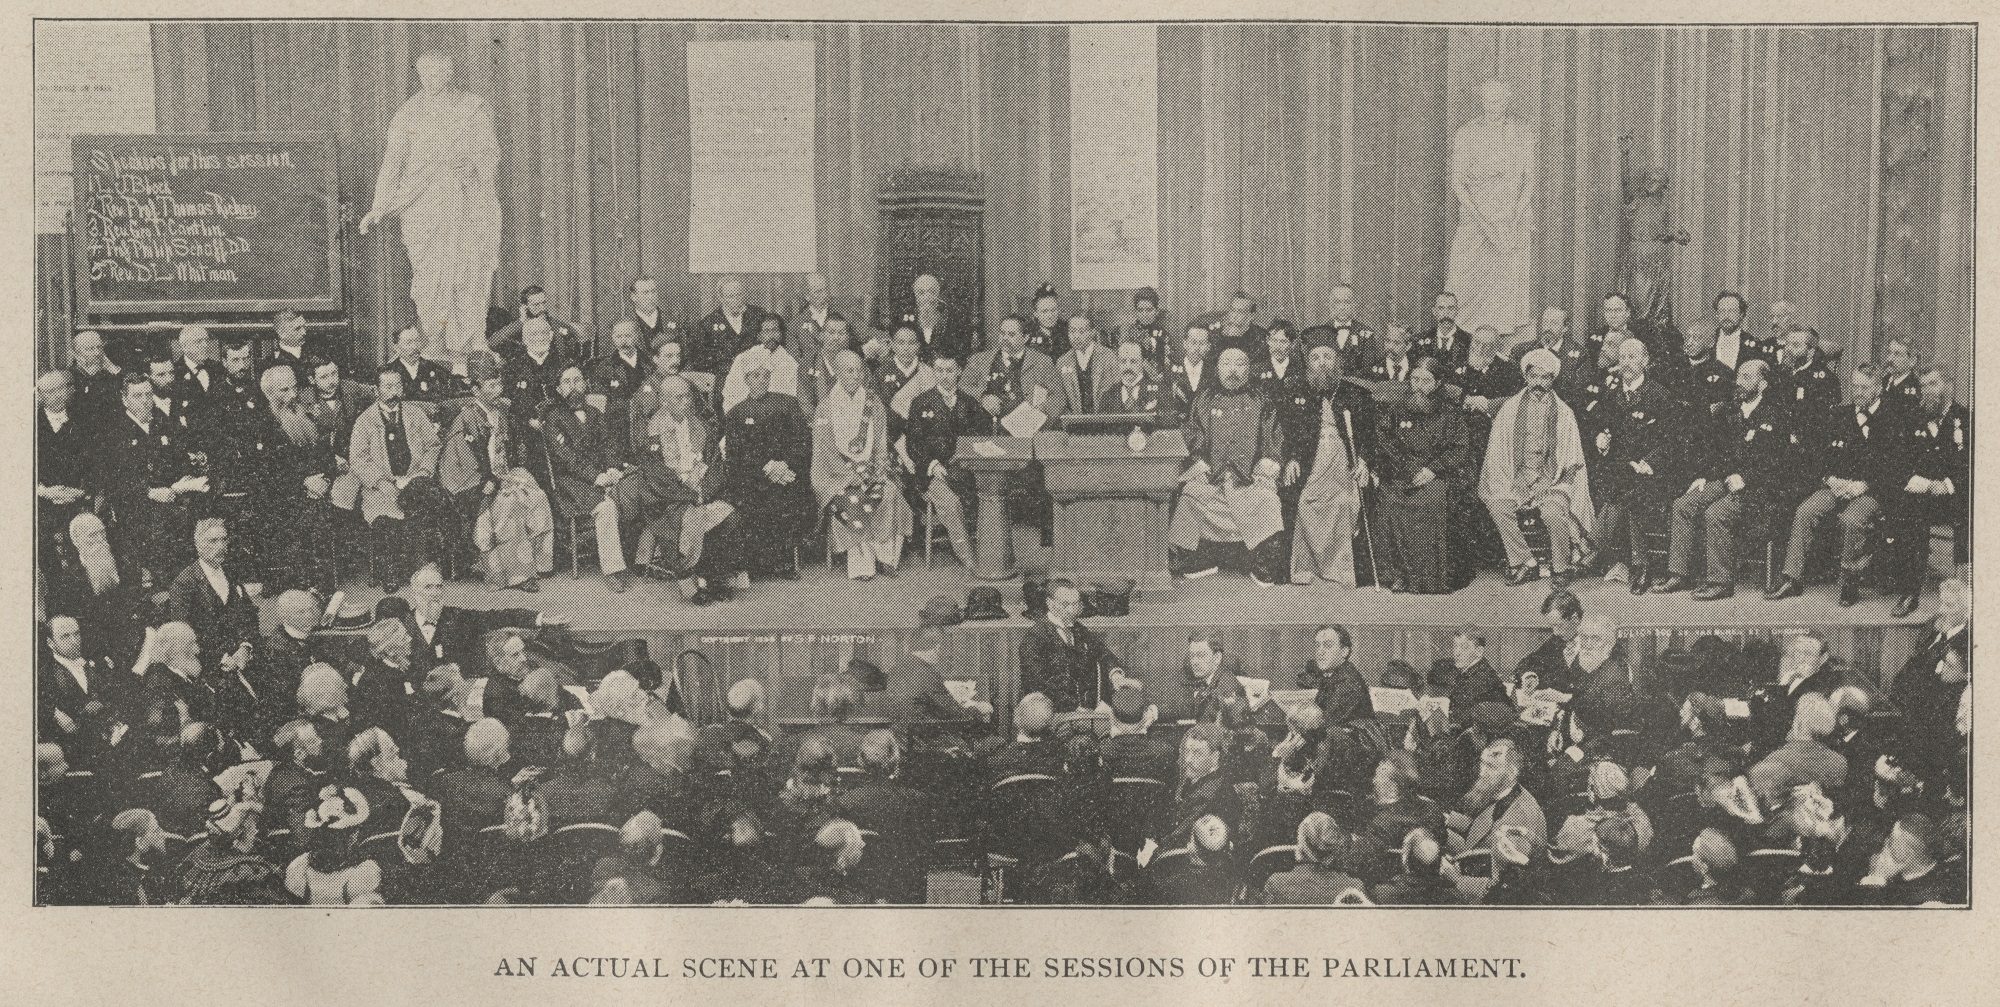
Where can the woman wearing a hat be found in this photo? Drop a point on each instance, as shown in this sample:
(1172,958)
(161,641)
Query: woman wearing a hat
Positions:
(328,874)
(223,871)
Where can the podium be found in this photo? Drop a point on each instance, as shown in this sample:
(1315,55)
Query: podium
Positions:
(1111,505)
(992,462)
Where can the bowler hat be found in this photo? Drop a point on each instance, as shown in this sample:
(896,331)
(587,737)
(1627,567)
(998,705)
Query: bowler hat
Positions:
(984,603)
(866,675)
(1110,597)
(1399,675)
(940,611)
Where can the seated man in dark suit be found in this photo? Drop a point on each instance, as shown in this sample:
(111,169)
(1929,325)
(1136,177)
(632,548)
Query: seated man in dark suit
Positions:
(298,767)
(78,697)
(1137,391)
(206,598)
(737,744)
(1129,752)
(938,418)
(579,788)
(1033,749)
(476,796)
(903,817)
(1203,788)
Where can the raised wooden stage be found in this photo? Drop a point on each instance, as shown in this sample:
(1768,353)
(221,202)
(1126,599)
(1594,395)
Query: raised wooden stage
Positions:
(789,632)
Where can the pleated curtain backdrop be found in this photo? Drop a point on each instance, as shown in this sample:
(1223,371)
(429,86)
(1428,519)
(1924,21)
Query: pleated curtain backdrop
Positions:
(1292,157)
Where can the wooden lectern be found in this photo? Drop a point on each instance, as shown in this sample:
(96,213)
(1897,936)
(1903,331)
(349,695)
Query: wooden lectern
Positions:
(992,462)
(1112,504)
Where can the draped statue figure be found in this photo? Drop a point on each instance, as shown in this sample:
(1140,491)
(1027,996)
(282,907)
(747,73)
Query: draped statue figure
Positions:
(1493,177)
(437,178)
(1645,270)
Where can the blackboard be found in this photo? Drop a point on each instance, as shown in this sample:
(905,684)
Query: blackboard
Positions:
(207,222)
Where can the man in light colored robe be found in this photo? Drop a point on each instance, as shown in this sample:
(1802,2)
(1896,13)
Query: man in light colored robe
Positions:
(1534,458)
(850,473)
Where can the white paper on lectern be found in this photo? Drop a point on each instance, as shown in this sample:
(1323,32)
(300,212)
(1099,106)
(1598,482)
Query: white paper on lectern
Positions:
(1024,421)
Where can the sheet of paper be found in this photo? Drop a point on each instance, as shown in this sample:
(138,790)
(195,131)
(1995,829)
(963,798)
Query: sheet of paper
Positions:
(964,690)
(1024,421)
(987,449)
(1736,709)
(1255,690)
(1392,701)
(1290,700)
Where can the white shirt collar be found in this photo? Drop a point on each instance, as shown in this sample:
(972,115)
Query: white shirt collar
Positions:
(216,579)
(1083,355)
(75,667)
(1632,386)
(57,420)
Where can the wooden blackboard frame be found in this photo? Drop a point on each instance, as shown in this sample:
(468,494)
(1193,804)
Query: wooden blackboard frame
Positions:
(335,300)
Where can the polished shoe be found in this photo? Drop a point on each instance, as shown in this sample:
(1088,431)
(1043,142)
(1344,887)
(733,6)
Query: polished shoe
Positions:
(1904,605)
(1850,592)
(1787,588)
(1640,581)
(1673,584)
(1523,574)
(1714,592)
(529,586)
(617,582)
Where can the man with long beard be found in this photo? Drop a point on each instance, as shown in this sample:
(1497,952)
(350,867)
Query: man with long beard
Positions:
(287,464)
(92,586)
(1229,491)
(1424,461)
(1534,459)
(1496,800)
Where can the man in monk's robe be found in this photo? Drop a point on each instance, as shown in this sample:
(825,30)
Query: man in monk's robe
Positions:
(1229,492)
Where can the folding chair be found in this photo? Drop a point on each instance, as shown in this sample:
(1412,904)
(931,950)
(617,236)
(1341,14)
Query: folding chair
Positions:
(1134,799)
(1011,805)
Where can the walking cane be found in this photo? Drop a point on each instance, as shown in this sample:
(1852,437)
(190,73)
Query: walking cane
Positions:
(1361,492)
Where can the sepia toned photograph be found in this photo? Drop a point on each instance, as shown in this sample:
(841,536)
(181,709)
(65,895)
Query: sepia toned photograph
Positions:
(976,464)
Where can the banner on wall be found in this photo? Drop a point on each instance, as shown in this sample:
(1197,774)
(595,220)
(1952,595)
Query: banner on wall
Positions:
(91,77)
(752,111)
(1114,142)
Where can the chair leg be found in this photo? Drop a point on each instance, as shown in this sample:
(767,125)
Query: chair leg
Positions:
(575,554)
(930,531)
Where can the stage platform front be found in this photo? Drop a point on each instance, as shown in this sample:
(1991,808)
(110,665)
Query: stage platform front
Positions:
(789,632)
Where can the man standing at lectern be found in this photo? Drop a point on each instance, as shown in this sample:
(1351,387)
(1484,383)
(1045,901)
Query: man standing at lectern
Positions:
(1229,492)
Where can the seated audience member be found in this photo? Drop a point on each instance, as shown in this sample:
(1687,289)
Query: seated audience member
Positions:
(1214,694)
(1425,460)
(579,787)
(834,699)
(1906,872)
(224,868)
(104,594)
(393,452)
(536,729)
(1207,875)
(639,863)
(832,867)
(614,378)
(659,779)
(1547,666)
(1229,491)
(715,340)
(1128,751)
(376,768)
(1535,460)
(132,880)
(79,699)
(477,796)
(205,597)
(1341,693)
(1520,869)
(1421,881)
(1803,759)
(1839,839)
(937,419)
(737,745)
(1033,749)
(331,872)
(299,766)
(768,451)
(1716,864)
(852,476)
(530,378)
(805,802)
(322,701)
(1495,800)
(902,817)
(1321,878)
(503,515)
(182,790)
(1394,807)
(176,688)
(1203,789)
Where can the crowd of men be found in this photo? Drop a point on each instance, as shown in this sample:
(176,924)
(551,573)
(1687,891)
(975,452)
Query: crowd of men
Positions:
(176,491)
(444,755)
